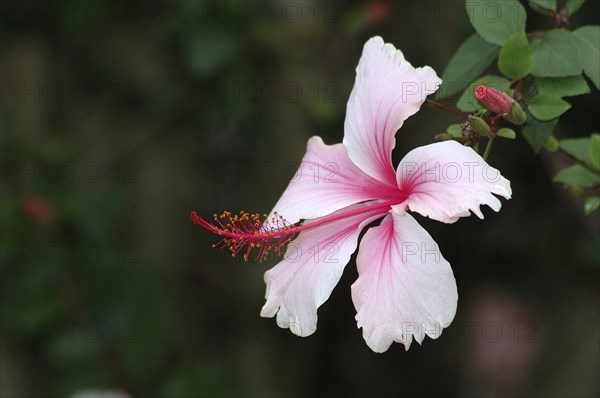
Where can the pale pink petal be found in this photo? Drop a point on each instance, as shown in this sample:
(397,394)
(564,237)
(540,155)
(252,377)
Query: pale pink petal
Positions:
(405,287)
(327,181)
(311,268)
(445,181)
(387,91)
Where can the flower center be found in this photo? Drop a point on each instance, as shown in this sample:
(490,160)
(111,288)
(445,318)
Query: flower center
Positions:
(256,233)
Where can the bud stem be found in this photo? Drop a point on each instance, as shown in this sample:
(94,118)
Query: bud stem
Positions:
(488,148)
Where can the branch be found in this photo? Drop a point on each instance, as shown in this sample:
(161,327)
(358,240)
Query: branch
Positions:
(573,159)
(442,107)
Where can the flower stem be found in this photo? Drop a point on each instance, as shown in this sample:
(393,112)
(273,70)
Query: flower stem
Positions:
(488,148)
(442,107)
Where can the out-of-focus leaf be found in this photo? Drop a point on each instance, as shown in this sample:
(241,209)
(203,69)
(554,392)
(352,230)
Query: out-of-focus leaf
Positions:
(468,102)
(595,150)
(496,21)
(574,5)
(577,147)
(577,175)
(544,107)
(587,40)
(556,55)
(471,59)
(516,57)
(506,133)
(537,133)
(544,7)
(547,4)
(552,144)
(591,204)
(562,86)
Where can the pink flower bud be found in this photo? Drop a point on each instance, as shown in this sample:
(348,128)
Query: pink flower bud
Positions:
(496,101)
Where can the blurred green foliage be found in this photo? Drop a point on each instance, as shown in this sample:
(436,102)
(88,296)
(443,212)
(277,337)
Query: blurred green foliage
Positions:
(543,67)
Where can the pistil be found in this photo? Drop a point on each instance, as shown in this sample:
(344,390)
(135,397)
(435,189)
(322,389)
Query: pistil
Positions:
(251,231)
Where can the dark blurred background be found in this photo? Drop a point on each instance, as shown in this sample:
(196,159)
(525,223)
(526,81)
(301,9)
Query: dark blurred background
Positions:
(120,117)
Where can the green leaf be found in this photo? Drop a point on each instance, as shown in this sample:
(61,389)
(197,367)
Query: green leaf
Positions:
(543,6)
(577,175)
(587,40)
(468,102)
(556,55)
(516,57)
(591,204)
(578,148)
(454,130)
(537,133)
(496,21)
(506,133)
(471,59)
(595,150)
(562,86)
(545,107)
(574,5)
(529,90)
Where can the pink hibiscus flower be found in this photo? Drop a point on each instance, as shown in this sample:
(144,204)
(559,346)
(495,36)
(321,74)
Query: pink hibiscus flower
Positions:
(405,287)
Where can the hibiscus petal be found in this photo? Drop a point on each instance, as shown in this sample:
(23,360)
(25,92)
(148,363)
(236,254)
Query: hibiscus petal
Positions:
(405,287)
(327,181)
(387,91)
(311,268)
(445,181)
